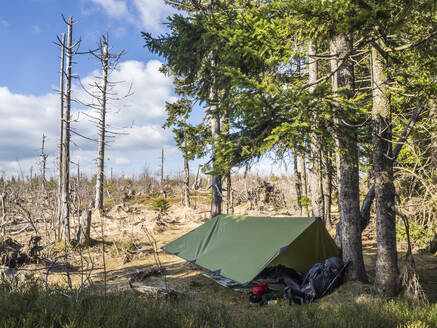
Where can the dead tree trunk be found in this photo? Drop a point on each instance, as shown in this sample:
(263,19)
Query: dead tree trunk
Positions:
(297,183)
(65,192)
(196,183)
(187,202)
(162,168)
(3,223)
(104,59)
(43,163)
(84,230)
(387,272)
(315,169)
(61,133)
(347,161)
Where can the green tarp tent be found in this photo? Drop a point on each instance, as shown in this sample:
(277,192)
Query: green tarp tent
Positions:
(240,247)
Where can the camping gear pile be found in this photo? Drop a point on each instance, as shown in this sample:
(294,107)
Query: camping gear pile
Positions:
(272,249)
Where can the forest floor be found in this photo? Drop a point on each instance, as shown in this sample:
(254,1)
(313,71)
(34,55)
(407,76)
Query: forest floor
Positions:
(131,236)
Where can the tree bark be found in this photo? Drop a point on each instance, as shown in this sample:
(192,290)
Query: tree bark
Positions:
(327,187)
(297,183)
(43,163)
(387,272)
(304,180)
(347,162)
(370,196)
(315,169)
(102,128)
(61,134)
(65,193)
(84,230)
(216,180)
(186,182)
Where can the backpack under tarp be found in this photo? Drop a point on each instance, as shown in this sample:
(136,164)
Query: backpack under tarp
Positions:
(320,280)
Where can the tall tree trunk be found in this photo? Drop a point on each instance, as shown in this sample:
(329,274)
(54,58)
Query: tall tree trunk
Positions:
(387,272)
(316,149)
(61,134)
(297,182)
(327,187)
(347,162)
(216,180)
(65,194)
(102,128)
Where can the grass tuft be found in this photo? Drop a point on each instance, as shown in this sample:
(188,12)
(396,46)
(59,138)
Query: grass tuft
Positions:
(35,307)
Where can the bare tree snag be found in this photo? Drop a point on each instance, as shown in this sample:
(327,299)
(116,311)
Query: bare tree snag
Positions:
(43,163)
(84,230)
(196,183)
(3,223)
(187,202)
(65,188)
(387,272)
(101,126)
(100,93)
(347,162)
(61,132)
(162,167)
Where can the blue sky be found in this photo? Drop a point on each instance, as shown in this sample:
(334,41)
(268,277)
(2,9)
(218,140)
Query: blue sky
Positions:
(29,78)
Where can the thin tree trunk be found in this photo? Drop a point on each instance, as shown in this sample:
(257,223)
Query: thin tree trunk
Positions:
(387,272)
(303,172)
(65,195)
(102,128)
(162,167)
(3,223)
(347,164)
(61,134)
(297,183)
(186,182)
(229,205)
(43,163)
(327,188)
(316,151)
(196,184)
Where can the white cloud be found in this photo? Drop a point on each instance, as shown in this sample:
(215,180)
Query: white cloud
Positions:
(26,117)
(145,14)
(36,29)
(152,13)
(114,8)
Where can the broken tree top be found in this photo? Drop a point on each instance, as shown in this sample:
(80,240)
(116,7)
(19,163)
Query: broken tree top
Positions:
(240,247)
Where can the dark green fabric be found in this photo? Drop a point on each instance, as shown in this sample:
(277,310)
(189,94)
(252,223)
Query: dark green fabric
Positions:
(240,247)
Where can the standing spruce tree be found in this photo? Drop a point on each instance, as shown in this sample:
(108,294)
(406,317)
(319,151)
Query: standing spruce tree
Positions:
(273,99)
